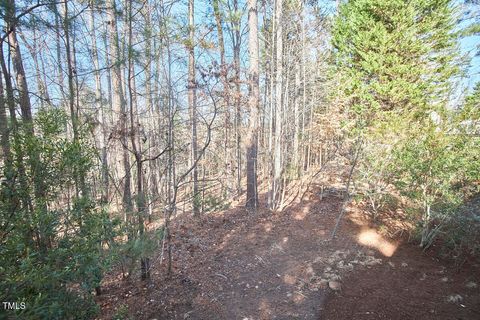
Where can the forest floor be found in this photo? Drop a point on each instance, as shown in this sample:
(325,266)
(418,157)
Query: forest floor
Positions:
(235,265)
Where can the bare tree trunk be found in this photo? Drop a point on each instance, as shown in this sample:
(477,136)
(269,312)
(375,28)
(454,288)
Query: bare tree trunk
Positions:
(119,110)
(296,115)
(101,128)
(79,177)
(272,115)
(41,86)
(226,89)
(153,112)
(236,37)
(4,131)
(253,102)
(277,165)
(192,102)
(136,145)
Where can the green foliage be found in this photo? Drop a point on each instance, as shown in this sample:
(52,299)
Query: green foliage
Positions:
(434,168)
(52,251)
(213,203)
(395,55)
(399,61)
(136,248)
(122,313)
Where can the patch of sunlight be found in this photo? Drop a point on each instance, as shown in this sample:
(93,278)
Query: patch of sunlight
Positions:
(265,308)
(298,297)
(301,214)
(289,279)
(268,227)
(309,271)
(371,238)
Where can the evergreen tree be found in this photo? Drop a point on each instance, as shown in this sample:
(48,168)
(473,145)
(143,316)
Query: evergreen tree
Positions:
(396,55)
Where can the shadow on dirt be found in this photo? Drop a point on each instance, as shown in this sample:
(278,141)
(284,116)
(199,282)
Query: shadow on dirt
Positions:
(235,265)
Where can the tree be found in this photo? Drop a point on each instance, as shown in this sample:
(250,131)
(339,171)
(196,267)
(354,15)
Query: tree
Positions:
(399,62)
(394,55)
(192,102)
(253,103)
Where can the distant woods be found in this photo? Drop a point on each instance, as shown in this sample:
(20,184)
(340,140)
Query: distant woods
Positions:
(116,116)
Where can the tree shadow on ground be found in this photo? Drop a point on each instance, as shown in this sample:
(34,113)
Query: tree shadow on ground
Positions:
(271,265)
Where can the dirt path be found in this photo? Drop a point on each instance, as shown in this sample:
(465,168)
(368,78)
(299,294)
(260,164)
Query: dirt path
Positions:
(278,266)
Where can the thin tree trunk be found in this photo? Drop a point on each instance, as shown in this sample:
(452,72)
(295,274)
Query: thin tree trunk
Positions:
(136,145)
(238,94)
(119,110)
(79,177)
(226,88)
(4,131)
(253,102)
(277,165)
(192,102)
(102,124)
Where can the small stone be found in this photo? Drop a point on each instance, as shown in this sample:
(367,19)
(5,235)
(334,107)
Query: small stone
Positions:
(289,294)
(391,264)
(323,284)
(444,279)
(454,298)
(334,285)
(404,264)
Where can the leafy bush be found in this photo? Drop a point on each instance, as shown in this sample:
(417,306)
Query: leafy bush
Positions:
(52,252)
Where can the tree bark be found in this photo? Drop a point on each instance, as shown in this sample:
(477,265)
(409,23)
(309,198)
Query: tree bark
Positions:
(277,159)
(100,109)
(253,102)
(4,131)
(119,111)
(192,102)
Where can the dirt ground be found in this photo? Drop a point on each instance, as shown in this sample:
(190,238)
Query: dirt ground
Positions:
(235,265)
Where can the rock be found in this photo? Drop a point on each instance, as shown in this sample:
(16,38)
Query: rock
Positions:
(404,264)
(371,261)
(454,298)
(471,285)
(323,284)
(334,285)
(391,264)
(444,279)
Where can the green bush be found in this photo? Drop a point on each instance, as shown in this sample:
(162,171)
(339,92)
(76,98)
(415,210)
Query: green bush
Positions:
(52,252)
